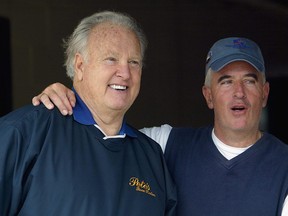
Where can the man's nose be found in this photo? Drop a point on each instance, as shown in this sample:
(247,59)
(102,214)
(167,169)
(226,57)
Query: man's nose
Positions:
(123,71)
(239,91)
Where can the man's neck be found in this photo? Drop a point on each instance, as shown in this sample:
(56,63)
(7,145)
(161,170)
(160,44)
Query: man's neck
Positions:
(240,139)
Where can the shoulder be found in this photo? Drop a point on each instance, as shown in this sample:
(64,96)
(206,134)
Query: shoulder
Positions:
(27,115)
(190,132)
(19,114)
(187,138)
(145,140)
(270,138)
(274,149)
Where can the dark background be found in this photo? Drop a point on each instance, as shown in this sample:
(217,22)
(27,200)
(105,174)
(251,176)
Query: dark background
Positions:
(180,34)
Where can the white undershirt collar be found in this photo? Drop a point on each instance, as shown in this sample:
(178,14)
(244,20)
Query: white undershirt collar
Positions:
(227,151)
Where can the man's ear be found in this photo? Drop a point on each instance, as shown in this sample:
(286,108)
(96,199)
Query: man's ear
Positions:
(79,67)
(266,90)
(206,91)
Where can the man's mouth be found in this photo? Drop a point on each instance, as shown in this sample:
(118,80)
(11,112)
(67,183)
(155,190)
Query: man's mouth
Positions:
(238,108)
(118,87)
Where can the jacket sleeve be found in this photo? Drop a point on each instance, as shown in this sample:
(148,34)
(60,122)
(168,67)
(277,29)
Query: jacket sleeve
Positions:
(10,162)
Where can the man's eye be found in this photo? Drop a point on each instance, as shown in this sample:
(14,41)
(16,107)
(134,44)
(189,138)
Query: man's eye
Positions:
(226,82)
(134,62)
(250,81)
(110,60)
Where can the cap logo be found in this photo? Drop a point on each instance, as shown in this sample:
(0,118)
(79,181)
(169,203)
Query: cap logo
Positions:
(238,44)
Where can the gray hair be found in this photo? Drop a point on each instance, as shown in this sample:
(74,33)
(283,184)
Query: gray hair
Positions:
(77,42)
(208,77)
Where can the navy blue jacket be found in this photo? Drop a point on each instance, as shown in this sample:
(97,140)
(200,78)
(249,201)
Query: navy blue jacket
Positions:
(52,165)
(255,183)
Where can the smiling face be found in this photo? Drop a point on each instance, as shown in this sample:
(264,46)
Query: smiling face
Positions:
(237,94)
(109,80)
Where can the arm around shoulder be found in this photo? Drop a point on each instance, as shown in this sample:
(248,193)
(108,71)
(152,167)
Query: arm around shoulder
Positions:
(159,134)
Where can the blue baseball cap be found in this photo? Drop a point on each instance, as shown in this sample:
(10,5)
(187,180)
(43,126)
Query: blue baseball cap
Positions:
(232,49)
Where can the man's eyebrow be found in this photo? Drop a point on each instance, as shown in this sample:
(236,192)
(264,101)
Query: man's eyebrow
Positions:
(253,75)
(223,77)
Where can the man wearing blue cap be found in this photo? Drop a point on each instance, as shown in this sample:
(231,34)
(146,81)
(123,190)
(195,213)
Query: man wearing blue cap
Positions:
(231,168)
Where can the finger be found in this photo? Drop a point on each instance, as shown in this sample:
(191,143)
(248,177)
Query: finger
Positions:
(60,101)
(44,99)
(68,100)
(59,95)
(71,101)
(35,101)
(71,98)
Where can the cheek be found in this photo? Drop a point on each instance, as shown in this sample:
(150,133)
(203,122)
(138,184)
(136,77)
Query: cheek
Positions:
(93,75)
(138,82)
(92,83)
(136,79)
(219,100)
